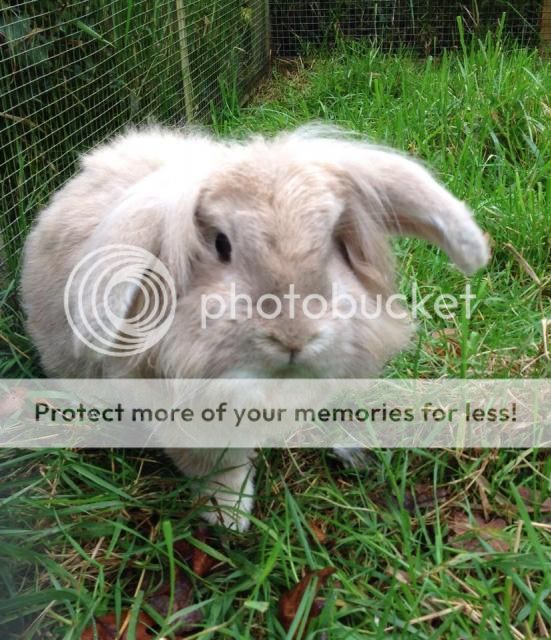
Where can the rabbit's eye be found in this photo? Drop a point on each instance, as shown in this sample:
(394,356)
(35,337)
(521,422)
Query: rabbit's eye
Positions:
(344,252)
(223,247)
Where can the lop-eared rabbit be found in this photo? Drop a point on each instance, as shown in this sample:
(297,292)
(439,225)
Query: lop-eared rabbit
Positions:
(312,208)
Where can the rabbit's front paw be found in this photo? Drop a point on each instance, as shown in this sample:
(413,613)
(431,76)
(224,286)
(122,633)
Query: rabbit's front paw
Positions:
(354,457)
(231,500)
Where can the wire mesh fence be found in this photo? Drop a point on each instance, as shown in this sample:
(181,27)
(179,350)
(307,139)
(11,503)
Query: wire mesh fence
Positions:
(73,72)
(425,26)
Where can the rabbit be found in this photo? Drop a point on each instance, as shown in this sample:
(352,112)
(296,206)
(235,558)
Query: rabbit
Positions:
(310,207)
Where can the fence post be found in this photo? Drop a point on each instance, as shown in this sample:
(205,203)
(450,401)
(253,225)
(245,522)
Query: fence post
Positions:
(184,60)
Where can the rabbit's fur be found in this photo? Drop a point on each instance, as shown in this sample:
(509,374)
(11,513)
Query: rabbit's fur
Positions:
(310,208)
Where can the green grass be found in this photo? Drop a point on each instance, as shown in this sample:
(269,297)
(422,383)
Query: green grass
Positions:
(86,533)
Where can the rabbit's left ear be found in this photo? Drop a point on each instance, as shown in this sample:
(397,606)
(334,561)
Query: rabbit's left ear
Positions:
(404,198)
(410,201)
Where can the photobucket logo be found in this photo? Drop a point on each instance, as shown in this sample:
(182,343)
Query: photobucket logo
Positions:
(341,306)
(120,300)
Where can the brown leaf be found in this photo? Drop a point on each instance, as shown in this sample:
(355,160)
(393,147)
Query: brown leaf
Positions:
(107,628)
(398,574)
(317,607)
(290,600)
(184,549)
(447,332)
(201,562)
(318,531)
(533,500)
(425,496)
(482,486)
(471,531)
(183,597)
(449,337)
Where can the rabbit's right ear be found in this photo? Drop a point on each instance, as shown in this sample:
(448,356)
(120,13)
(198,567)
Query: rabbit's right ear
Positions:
(135,263)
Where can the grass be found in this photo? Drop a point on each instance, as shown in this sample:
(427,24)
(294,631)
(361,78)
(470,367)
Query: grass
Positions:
(86,533)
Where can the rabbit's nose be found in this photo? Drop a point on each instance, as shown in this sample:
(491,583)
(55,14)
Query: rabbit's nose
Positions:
(293,344)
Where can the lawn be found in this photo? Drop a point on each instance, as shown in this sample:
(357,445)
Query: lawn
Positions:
(425,543)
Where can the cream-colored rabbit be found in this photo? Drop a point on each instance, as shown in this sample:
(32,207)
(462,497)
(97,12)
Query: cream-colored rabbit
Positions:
(311,209)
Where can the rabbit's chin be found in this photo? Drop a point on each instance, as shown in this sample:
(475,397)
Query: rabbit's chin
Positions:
(276,372)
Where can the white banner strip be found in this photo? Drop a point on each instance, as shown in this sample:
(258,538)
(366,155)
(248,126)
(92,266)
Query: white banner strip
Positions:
(250,413)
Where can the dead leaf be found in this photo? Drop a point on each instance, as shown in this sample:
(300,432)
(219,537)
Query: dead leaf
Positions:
(108,629)
(201,562)
(448,332)
(425,496)
(317,607)
(482,486)
(471,531)
(397,574)
(184,549)
(290,600)
(450,338)
(318,531)
(533,500)
(183,598)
